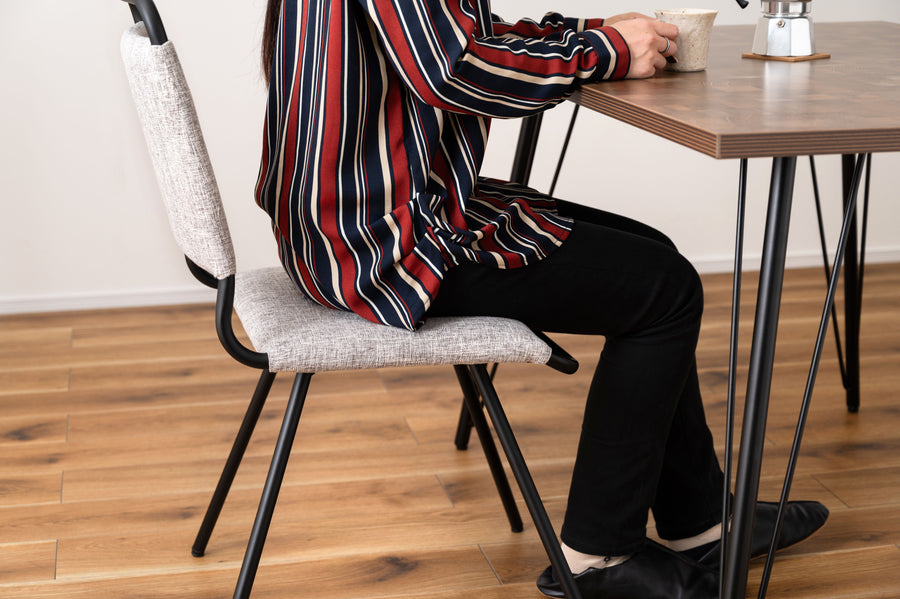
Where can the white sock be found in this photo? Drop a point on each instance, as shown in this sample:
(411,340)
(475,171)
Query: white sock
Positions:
(713,534)
(579,562)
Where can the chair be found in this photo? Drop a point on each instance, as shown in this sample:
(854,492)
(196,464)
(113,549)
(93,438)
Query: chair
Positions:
(291,334)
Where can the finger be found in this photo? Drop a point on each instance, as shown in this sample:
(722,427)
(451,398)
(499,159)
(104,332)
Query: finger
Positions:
(666,29)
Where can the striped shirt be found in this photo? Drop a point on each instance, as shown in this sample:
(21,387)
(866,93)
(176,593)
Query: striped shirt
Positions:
(376,125)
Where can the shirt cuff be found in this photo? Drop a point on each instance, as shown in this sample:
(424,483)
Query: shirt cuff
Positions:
(580,25)
(614,57)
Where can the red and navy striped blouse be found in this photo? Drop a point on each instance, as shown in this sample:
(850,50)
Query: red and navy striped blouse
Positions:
(376,124)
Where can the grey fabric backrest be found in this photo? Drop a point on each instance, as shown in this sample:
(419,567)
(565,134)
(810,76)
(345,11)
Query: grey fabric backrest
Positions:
(172,130)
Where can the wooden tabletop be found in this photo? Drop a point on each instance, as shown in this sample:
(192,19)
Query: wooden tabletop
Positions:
(745,108)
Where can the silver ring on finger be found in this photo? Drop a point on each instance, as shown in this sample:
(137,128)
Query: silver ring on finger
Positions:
(668,44)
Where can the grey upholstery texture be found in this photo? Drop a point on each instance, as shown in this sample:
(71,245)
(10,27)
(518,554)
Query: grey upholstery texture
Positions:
(297,334)
(172,131)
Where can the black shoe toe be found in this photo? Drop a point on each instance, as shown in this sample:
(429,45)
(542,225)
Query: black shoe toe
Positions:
(801,520)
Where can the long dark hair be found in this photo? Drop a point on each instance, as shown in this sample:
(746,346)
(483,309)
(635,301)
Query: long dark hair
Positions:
(270,32)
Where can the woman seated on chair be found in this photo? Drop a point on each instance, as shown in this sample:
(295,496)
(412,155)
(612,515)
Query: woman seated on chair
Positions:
(377,120)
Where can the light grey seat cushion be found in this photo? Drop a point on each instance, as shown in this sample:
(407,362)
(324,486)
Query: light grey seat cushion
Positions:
(172,131)
(300,335)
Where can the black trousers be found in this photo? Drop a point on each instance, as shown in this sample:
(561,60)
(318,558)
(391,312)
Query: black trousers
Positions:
(645,444)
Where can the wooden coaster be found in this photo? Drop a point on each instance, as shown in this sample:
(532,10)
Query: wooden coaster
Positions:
(818,56)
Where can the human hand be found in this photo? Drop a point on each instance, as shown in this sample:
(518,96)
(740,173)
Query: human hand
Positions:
(647,39)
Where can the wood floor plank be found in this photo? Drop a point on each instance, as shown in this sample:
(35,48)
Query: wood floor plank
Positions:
(19,345)
(370,423)
(183,510)
(830,421)
(143,374)
(150,332)
(864,487)
(32,429)
(836,455)
(855,573)
(517,562)
(329,456)
(174,393)
(27,562)
(292,539)
(431,425)
(356,447)
(203,371)
(122,357)
(30,489)
(22,524)
(338,578)
(26,382)
(789,382)
(551,477)
(175,480)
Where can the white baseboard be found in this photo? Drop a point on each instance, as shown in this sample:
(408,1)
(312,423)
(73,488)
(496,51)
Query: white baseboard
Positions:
(712,265)
(195,294)
(64,303)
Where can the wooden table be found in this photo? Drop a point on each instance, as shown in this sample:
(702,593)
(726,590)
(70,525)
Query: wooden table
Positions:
(745,108)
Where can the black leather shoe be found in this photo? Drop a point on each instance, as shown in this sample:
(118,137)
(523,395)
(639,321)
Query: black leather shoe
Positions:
(653,572)
(801,519)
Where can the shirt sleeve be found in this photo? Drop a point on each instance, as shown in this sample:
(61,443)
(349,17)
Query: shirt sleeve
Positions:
(522,68)
(551,23)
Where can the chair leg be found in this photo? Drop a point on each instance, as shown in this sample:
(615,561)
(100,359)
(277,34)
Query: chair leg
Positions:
(526,483)
(464,428)
(272,486)
(476,416)
(234,461)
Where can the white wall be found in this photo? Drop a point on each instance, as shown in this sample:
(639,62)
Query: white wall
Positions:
(81,225)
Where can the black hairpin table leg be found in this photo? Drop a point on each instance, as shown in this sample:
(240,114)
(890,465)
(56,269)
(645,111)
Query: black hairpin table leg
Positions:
(759,382)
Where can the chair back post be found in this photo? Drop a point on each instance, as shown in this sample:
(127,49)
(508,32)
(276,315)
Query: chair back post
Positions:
(186,177)
(145,10)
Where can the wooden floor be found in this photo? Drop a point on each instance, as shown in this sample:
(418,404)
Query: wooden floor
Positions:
(114,425)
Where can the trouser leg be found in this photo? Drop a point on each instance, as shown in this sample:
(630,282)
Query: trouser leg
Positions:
(689,494)
(633,402)
(625,281)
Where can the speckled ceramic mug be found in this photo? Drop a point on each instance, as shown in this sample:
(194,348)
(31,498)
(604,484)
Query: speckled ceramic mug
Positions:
(694,26)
